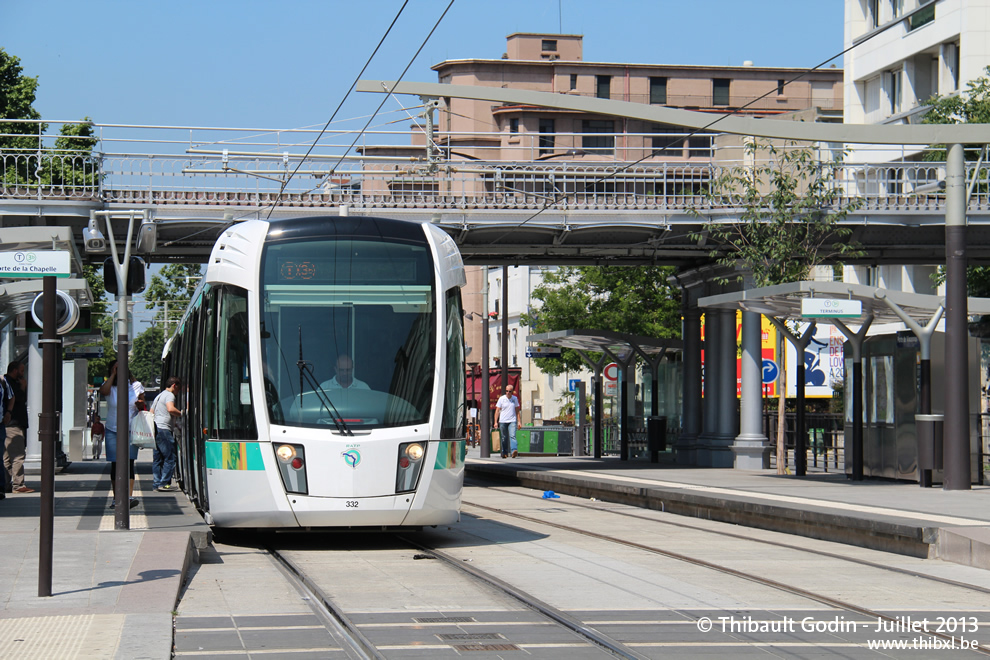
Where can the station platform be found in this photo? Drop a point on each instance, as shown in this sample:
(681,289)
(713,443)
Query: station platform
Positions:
(113,592)
(892,516)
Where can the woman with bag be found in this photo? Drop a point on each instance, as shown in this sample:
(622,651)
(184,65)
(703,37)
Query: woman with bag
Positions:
(109,392)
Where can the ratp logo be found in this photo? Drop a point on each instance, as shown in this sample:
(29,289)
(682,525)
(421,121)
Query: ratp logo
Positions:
(352,457)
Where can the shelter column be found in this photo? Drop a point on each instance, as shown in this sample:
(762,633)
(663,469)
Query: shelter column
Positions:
(751,448)
(687,443)
(728,415)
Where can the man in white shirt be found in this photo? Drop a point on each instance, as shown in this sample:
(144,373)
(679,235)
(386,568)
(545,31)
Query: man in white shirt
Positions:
(345,376)
(508,421)
(163,458)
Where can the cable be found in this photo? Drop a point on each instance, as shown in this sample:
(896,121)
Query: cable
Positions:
(399,79)
(562,196)
(339,106)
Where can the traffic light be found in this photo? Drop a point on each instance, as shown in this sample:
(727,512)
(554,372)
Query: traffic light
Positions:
(135,276)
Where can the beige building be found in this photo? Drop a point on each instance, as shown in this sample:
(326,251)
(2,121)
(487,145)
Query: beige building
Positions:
(555,63)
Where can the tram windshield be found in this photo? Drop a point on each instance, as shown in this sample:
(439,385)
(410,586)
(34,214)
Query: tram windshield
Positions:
(348,333)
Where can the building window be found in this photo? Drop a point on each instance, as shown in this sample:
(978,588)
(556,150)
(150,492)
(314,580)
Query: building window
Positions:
(923,17)
(700,146)
(549,44)
(669,142)
(599,136)
(573,81)
(720,91)
(603,85)
(658,90)
(513,125)
(894,91)
(547,131)
(780,88)
(874,10)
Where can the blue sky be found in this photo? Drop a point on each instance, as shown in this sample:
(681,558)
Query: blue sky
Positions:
(252,63)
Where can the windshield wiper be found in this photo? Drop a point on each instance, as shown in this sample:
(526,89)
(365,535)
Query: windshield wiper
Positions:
(305,372)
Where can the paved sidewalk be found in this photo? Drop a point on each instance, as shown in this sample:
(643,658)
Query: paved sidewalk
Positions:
(113,592)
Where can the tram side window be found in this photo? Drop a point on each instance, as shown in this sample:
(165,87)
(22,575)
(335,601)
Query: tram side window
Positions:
(452,425)
(206,363)
(234,406)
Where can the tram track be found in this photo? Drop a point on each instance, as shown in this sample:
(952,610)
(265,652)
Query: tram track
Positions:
(752,539)
(822,599)
(344,629)
(340,626)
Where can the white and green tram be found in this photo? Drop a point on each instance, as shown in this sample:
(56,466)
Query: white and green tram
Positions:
(322,368)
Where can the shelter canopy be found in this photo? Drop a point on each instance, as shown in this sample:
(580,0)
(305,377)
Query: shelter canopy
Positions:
(784,300)
(618,345)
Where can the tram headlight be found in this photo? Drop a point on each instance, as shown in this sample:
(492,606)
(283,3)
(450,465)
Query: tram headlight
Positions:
(410,466)
(292,467)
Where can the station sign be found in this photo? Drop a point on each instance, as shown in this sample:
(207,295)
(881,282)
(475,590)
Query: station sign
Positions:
(25,263)
(833,308)
(543,351)
(83,352)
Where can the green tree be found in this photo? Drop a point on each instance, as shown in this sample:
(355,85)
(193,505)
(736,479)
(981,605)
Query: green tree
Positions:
(170,291)
(102,323)
(791,214)
(72,163)
(17,95)
(631,299)
(146,358)
(969,107)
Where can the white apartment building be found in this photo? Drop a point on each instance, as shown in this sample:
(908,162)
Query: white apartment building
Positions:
(900,53)
(904,51)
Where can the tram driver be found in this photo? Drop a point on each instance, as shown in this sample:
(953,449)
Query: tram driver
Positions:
(344,379)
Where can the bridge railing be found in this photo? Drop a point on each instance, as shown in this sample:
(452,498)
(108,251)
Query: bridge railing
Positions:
(411,182)
(50,174)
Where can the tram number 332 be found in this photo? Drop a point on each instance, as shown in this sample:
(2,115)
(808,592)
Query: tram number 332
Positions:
(351,504)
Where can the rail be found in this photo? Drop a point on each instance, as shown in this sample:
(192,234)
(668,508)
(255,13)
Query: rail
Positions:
(231,174)
(663,186)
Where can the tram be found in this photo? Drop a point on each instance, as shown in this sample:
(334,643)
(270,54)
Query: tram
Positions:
(322,376)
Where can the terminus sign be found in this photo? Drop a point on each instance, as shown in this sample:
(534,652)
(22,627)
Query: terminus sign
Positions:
(831,308)
(34,264)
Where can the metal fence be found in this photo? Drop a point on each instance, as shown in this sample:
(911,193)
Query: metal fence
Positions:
(825,444)
(392,182)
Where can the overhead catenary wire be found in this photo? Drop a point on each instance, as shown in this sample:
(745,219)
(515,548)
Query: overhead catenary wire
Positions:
(340,105)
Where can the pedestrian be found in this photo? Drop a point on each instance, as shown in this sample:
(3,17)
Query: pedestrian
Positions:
(96,432)
(508,421)
(15,447)
(166,413)
(109,391)
(6,402)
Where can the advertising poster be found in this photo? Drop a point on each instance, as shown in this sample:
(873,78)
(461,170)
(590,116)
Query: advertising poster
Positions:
(823,359)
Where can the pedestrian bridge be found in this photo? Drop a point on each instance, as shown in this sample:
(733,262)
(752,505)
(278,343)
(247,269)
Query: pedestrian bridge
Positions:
(541,212)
